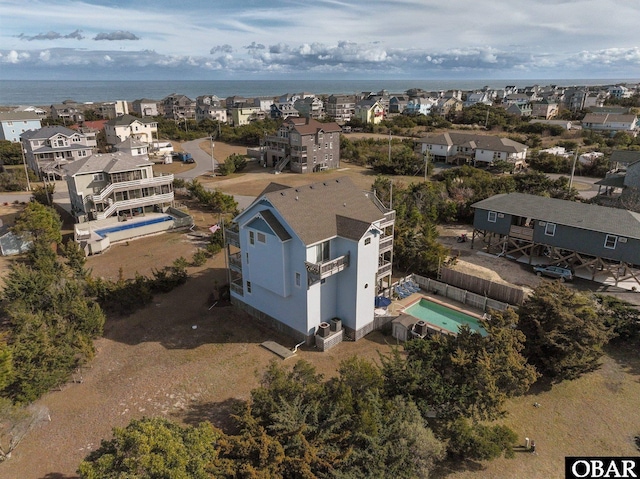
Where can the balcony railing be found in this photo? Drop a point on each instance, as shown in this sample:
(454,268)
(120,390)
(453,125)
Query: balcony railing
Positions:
(232,236)
(521,232)
(384,269)
(327,268)
(386,243)
(235,261)
(134,203)
(128,185)
(389,219)
(236,287)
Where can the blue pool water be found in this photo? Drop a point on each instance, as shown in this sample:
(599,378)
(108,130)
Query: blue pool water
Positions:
(443,317)
(127,225)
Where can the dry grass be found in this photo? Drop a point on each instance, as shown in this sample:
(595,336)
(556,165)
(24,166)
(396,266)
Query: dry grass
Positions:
(596,415)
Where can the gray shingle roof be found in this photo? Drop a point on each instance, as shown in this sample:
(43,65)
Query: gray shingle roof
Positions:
(18,116)
(127,120)
(47,132)
(482,142)
(322,210)
(569,213)
(107,163)
(625,156)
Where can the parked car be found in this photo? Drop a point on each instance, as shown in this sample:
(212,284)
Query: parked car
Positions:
(563,274)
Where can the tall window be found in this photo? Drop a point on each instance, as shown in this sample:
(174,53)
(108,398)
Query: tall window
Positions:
(322,252)
(298,279)
(491,217)
(252,239)
(248,286)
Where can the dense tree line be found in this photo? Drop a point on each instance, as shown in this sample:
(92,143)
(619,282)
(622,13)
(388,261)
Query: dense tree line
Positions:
(49,319)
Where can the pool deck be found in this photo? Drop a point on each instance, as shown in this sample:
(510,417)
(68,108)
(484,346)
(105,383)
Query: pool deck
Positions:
(400,305)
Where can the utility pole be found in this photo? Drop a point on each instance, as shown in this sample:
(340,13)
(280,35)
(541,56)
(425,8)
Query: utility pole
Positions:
(389,146)
(426,163)
(573,168)
(213,161)
(26,171)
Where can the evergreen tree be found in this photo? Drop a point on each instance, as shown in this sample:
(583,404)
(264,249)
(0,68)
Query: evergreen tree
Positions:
(564,332)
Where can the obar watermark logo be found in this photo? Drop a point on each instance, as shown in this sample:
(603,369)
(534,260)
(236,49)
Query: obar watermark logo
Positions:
(601,467)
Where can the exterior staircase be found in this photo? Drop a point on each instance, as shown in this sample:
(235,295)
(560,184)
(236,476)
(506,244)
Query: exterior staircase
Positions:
(281,164)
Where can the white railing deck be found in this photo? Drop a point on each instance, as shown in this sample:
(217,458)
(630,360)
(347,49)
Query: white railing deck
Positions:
(127,185)
(134,203)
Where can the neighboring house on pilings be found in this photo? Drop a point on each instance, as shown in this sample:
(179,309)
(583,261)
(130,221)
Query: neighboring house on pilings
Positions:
(305,257)
(453,147)
(595,238)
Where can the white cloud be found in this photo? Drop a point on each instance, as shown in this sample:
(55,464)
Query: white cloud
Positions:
(419,37)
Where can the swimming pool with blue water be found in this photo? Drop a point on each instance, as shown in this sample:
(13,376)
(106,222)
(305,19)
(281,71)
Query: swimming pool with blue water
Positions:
(443,317)
(128,225)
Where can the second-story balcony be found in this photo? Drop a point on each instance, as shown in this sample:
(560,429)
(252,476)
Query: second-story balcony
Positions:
(232,236)
(521,232)
(386,244)
(129,185)
(124,205)
(318,271)
(384,268)
(235,261)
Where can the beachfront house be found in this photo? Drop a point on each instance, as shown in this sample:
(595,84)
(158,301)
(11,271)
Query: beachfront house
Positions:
(145,107)
(48,149)
(178,107)
(113,109)
(304,145)
(13,124)
(460,148)
(105,185)
(68,111)
(128,126)
(340,107)
(303,258)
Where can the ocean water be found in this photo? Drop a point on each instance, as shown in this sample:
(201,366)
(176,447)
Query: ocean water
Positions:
(45,93)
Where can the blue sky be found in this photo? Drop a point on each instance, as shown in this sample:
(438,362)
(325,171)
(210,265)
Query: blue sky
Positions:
(325,39)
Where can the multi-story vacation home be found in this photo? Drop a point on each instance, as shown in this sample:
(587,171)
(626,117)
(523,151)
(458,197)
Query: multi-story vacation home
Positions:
(128,126)
(306,258)
(305,145)
(105,185)
(13,124)
(48,149)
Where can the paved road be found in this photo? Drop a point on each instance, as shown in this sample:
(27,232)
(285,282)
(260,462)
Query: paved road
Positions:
(12,197)
(202,159)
